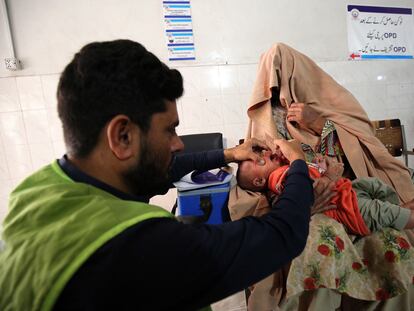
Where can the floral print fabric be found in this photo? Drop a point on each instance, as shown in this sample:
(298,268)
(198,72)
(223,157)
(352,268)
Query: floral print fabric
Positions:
(376,267)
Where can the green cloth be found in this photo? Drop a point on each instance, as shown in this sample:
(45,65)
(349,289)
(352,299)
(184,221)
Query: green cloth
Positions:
(378,204)
(54,225)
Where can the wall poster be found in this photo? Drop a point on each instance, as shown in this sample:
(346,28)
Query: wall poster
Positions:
(178,30)
(380,32)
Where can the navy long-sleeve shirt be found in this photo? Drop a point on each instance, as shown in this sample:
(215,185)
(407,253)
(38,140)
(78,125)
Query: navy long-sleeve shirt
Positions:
(186,162)
(161,264)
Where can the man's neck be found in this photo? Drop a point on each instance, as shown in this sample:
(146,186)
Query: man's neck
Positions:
(101,169)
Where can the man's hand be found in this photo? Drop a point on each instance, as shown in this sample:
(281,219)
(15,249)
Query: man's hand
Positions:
(290,149)
(246,151)
(306,117)
(323,190)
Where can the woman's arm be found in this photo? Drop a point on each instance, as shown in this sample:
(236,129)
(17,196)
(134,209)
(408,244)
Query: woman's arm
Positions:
(307,118)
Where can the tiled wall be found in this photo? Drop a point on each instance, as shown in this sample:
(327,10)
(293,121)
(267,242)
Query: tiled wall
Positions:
(29,129)
(215,99)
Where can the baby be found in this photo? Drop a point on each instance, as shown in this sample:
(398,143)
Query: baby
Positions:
(363,205)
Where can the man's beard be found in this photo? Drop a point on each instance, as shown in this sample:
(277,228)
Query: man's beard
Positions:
(148,177)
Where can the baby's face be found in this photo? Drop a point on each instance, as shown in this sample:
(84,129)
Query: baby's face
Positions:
(272,162)
(253,169)
(253,176)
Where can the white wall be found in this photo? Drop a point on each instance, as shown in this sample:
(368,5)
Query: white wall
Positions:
(229,37)
(48,32)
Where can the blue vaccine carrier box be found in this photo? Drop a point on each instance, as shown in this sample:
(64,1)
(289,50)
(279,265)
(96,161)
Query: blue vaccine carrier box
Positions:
(204,205)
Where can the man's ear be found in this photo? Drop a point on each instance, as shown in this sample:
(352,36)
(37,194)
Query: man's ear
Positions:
(121,136)
(259,181)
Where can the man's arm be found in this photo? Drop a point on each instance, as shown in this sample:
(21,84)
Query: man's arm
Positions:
(202,161)
(207,160)
(191,266)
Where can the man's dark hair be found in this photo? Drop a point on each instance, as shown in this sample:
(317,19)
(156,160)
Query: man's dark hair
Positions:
(109,78)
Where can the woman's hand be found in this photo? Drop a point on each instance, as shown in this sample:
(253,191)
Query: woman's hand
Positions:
(323,190)
(306,117)
(334,169)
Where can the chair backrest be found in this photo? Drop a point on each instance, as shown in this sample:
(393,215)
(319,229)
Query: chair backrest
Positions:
(390,133)
(202,142)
